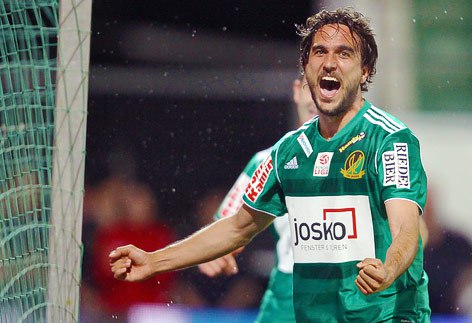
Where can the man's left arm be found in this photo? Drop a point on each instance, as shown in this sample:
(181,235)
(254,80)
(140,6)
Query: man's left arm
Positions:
(375,276)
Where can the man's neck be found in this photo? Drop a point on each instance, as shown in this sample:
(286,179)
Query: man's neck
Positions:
(331,125)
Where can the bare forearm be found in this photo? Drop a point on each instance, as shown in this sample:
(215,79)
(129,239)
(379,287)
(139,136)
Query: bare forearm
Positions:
(405,236)
(375,275)
(211,242)
(401,253)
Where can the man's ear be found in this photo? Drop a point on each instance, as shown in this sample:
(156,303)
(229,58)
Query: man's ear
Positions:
(365,74)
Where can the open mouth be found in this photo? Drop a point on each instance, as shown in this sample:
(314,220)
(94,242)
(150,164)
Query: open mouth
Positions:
(329,86)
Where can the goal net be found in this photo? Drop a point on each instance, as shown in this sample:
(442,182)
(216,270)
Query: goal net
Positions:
(44,58)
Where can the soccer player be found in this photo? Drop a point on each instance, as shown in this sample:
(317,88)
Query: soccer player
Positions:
(277,303)
(353,200)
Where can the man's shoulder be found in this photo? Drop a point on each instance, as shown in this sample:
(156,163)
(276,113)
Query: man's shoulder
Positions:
(385,128)
(294,135)
(383,122)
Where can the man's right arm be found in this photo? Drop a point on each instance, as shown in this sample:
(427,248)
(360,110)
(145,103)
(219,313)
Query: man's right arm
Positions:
(219,238)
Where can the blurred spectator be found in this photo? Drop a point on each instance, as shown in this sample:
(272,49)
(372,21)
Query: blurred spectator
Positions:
(127,212)
(446,256)
(241,291)
(102,207)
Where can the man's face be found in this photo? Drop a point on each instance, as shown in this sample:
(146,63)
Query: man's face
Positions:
(334,70)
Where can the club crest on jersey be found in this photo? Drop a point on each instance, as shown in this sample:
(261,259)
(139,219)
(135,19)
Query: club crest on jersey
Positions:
(354,165)
(305,144)
(322,163)
(259,179)
(351,141)
(396,166)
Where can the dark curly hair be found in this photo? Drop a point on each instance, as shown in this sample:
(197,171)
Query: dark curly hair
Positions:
(356,23)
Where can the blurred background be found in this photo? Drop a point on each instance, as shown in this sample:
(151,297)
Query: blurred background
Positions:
(183,93)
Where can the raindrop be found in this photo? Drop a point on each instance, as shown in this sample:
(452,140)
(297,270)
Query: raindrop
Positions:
(445,12)
(173,189)
(461,18)
(224,28)
(165,74)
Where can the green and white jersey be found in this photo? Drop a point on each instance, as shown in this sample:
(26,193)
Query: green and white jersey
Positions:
(335,192)
(277,304)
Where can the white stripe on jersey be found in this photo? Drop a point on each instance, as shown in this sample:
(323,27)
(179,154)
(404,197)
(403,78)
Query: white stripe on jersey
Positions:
(375,161)
(276,169)
(382,118)
(386,116)
(380,123)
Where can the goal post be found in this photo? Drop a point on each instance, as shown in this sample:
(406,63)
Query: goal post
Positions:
(65,247)
(44,66)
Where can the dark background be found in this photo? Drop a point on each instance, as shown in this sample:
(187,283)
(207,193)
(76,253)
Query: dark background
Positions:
(182,146)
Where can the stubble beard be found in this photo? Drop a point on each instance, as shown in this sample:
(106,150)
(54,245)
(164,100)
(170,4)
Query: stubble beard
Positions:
(344,106)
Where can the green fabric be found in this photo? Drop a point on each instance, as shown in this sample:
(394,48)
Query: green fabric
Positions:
(334,192)
(277,303)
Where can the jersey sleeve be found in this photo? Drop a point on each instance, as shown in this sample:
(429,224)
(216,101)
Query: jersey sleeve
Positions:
(264,193)
(400,171)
